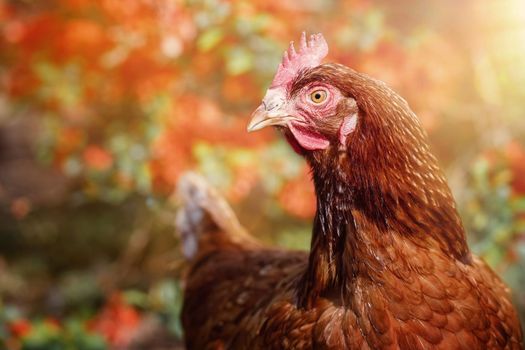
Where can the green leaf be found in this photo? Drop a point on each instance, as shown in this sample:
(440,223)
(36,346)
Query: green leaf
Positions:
(518,204)
(238,61)
(209,39)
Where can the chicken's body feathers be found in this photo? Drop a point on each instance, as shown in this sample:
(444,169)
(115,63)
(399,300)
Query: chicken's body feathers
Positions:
(240,295)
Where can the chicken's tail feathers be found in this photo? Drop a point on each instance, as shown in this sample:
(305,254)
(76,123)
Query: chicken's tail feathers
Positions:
(204,211)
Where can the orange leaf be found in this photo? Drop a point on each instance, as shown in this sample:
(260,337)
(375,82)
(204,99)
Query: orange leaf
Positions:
(97,158)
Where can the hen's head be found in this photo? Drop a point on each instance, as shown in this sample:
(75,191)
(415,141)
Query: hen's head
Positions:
(330,106)
(311,108)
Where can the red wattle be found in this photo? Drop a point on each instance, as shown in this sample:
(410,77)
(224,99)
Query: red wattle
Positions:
(308,139)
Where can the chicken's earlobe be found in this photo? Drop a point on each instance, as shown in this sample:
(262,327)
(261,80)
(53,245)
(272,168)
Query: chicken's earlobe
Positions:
(347,127)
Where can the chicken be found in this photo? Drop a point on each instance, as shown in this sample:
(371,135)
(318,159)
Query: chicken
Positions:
(389,266)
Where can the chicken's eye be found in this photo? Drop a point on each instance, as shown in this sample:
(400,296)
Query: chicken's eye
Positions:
(318,96)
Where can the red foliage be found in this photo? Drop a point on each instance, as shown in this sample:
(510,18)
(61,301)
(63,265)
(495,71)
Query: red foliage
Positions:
(245,180)
(117,321)
(240,88)
(20,207)
(82,38)
(516,155)
(513,157)
(195,119)
(20,327)
(97,158)
(298,197)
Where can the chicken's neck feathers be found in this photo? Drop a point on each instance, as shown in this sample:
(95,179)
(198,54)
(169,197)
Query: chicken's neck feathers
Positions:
(347,239)
(362,209)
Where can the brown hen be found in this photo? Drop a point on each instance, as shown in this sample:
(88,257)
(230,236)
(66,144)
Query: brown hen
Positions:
(389,266)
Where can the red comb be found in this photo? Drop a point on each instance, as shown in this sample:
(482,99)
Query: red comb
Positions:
(310,54)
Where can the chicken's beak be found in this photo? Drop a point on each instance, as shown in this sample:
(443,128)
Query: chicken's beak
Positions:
(262,118)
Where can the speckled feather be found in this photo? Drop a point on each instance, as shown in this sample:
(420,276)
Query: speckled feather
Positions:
(389,267)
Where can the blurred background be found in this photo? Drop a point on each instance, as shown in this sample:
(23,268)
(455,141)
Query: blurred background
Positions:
(104,103)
